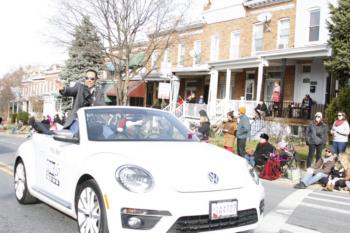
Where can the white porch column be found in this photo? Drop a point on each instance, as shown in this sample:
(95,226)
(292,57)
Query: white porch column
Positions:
(213,89)
(228,89)
(260,81)
(175,87)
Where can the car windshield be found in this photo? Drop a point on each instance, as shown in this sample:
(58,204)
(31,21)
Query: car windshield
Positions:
(135,124)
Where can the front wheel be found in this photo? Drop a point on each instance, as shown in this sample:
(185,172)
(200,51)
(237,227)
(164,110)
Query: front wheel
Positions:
(21,188)
(90,208)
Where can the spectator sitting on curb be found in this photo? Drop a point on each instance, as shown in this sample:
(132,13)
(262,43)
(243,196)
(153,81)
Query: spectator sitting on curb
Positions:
(322,168)
(338,173)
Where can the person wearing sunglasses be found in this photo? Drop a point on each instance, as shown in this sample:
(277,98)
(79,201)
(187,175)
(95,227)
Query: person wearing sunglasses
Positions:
(84,94)
(340,131)
(316,134)
(320,170)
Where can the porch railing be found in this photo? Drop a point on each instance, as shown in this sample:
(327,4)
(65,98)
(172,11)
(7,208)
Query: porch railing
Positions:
(290,109)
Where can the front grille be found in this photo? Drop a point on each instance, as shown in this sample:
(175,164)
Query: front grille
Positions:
(202,223)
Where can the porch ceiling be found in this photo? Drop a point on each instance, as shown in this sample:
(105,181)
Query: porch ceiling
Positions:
(297,53)
(191,71)
(235,64)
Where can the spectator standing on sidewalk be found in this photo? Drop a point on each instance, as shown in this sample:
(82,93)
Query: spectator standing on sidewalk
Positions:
(321,169)
(243,131)
(340,131)
(85,94)
(204,125)
(316,134)
(229,130)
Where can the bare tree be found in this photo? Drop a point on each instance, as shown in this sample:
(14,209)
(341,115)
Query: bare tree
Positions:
(128,27)
(9,81)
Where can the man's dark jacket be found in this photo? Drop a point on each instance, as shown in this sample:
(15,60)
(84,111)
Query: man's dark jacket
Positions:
(82,98)
(262,152)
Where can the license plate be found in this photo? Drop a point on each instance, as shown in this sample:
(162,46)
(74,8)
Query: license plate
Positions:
(223,209)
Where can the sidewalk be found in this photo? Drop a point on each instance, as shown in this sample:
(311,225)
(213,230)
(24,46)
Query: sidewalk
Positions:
(316,186)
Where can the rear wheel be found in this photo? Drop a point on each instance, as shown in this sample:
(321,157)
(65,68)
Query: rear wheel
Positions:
(21,188)
(90,209)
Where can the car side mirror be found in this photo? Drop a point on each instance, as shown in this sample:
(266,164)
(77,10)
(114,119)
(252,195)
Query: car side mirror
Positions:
(65,135)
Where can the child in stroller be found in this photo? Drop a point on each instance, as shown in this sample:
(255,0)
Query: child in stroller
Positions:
(286,155)
(278,162)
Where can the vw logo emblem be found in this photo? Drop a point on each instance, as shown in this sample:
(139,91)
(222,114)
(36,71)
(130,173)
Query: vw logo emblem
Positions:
(213,178)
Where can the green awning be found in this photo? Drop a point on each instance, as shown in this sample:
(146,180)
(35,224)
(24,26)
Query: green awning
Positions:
(137,60)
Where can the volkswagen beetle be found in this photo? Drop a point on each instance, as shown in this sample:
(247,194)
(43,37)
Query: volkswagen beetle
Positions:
(135,169)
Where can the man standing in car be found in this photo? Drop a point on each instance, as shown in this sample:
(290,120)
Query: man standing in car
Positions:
(84,94)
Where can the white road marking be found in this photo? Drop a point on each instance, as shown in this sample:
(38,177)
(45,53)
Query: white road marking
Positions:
(7,142)
(297,229)
(331,196)
(6,168)
(326,208)
(276,220)
(328,200)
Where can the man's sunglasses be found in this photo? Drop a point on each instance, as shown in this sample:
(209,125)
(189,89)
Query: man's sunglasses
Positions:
(88,78)
(327,151)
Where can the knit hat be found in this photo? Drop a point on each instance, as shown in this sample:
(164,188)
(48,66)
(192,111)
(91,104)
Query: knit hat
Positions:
(318,114)
(242,110)
(230,113)
(264,136)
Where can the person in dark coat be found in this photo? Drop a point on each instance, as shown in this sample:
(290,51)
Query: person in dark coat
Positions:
(263,150)
(306,106)
(204,125)
(85,94)
(316,134)
(261,110)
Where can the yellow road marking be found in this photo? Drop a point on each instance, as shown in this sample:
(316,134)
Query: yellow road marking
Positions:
(6,169)
(106,201)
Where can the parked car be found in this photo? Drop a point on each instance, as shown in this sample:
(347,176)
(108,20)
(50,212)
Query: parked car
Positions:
(132,169)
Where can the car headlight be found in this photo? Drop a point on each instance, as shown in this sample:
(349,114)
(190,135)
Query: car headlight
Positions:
(252,173)
(134,179)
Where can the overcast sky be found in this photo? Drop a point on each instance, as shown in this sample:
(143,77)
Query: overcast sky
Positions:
(24,40)
(24,34)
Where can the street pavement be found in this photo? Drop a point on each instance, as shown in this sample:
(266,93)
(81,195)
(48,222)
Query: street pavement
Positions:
(287,210)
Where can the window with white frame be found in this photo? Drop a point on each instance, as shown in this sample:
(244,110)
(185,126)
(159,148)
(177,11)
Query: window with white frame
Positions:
(258,35)
(214,48)
(154,59)
(314,27)
(283,33)
(234,48)
(249,89)
(181,55)
(197,50)
(166,56)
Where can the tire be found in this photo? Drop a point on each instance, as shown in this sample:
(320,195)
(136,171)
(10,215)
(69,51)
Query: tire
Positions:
(90,208)
(21,188)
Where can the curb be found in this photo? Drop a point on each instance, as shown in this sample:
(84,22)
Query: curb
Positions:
(7,134)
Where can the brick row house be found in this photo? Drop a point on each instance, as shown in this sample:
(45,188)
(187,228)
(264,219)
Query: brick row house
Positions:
(39,95)
(240,48)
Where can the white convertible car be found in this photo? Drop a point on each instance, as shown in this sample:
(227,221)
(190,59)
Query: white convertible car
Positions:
(138,170)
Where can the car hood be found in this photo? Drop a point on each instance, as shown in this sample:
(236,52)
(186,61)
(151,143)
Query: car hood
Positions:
(184,166)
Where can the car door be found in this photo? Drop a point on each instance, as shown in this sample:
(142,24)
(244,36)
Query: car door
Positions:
(50,164)
(60,171)
(41,142)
